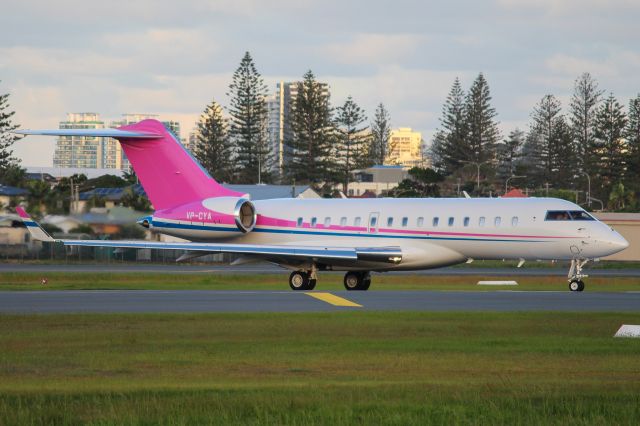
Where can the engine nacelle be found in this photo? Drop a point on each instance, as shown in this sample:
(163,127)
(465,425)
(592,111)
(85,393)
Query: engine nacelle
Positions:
(220,217)
(241,209)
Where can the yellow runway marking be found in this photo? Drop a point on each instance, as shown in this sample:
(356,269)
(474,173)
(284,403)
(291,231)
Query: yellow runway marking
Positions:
(333,299)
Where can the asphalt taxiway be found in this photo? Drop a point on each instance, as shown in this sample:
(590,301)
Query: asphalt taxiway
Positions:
(192,301)
(265,268)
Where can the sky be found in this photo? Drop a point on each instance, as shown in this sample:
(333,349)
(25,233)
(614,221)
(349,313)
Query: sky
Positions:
(172,58)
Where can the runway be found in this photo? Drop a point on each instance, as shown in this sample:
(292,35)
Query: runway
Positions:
(264,268)
(192,301)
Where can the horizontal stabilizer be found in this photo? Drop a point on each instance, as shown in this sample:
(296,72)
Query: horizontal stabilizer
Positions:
(37,233)
(97,133)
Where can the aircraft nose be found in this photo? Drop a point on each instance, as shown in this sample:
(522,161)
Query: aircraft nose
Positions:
(617,241)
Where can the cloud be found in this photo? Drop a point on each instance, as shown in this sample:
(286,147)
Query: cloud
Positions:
(374,48)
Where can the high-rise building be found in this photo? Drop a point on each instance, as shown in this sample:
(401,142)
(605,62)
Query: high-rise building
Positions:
(80,151)
(279,108)
(405,148)
(98,153)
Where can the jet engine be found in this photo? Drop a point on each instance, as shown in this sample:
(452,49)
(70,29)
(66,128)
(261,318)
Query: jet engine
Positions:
(241,209)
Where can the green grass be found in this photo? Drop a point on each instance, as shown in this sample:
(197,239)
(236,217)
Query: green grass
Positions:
(320,368)
(327,282)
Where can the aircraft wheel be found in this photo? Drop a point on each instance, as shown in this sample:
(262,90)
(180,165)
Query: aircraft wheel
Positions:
(574,285)
(366,284)
(357,281)
(299,280)
(580,285)
(352,281)
(312,284)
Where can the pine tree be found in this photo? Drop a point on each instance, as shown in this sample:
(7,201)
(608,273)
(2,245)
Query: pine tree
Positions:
(582,109)
(509,154)
(482,132)
(10,170)
(212,148)
(309,146)
(248,111)
(548,149)
(608,148)
(380,133)
(632,134)
(353,141)
(448,146)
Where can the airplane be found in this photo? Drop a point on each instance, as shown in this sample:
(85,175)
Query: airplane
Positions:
(357,236)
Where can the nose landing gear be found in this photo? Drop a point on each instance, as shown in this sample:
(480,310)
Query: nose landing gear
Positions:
(575,274)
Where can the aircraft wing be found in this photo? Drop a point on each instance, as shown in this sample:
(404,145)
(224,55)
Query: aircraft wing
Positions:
(276,253)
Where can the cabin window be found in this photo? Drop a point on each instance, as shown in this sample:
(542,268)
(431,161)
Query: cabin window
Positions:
(389,222)
(357,221)
(420,222)
(435,222)
(405,222)
(299,222)
(466,221)
(481,221)
(327,222)
(373,221)
(343,221)
(314,221)
(514,221)
(450,221)
(497,221)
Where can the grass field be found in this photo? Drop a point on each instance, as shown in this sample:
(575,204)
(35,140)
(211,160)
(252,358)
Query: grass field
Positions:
(321,368)
(327,282)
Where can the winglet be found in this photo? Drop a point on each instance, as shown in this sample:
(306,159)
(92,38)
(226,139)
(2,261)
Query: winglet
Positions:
(34,229)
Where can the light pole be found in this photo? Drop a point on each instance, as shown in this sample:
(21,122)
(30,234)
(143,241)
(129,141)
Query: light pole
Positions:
(506,184)
(588,188)
(477,164)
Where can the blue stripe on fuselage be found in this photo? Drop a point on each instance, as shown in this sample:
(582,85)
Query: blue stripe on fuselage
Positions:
(157,224)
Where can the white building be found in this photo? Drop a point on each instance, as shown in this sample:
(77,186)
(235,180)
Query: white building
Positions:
(80,151)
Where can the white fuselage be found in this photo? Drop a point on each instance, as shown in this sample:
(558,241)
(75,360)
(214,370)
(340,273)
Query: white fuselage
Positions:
(431,232)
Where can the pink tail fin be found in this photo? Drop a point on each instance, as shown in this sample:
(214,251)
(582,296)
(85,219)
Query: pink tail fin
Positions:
(169,174)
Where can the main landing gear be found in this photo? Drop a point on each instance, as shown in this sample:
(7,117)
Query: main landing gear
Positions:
(575,274)
(302,280)
(360,280)
(306,280)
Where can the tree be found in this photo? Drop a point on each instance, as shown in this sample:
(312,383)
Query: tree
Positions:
(212,148)
(248,111)
(482,132)
(509,153)
(353,141)
(380,132)
(422,182)
(310,142)
(448,146)
(632,133)
(9,165)
(138,202)
(582,109)
(548,147)
(608,150)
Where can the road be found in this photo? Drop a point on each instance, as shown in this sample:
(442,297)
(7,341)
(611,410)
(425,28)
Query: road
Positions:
(138,301)
(263,268)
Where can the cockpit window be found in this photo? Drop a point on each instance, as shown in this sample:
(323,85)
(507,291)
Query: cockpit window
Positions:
(568,215)
(580,215)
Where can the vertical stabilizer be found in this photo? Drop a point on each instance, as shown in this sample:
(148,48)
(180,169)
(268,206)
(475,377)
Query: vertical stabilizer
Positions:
(169,174)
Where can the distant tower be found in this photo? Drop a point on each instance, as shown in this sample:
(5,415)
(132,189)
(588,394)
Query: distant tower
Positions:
(80,151)
(405,148)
